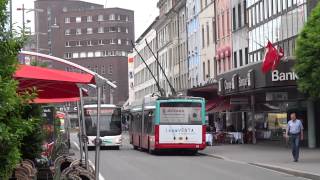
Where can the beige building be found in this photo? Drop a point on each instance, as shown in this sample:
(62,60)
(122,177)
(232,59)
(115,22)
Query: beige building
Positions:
(208,40)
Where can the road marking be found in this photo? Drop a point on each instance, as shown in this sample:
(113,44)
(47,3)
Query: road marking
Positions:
(91,164)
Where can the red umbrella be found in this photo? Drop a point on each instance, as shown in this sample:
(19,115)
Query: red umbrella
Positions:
(53,86)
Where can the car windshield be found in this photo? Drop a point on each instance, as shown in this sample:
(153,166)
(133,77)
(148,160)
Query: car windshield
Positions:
(110,122)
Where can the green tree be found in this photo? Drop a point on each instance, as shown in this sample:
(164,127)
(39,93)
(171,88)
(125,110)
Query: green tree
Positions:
(307,51)
(13,128)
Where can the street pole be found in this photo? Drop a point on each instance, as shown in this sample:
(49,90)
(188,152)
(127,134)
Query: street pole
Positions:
(84,134)
(11,17)
(98,140)
(80,133)
(23,20)
(111,95)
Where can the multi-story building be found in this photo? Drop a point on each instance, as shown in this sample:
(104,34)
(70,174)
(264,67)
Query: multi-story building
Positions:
(90,35)
(263,101)
(208,40)
(194,42)
(144,83)
(223,44)
(240,40)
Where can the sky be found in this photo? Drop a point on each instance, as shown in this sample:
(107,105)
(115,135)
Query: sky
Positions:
(144,11)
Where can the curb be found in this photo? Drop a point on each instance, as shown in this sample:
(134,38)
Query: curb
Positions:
(289,171)
(293,172)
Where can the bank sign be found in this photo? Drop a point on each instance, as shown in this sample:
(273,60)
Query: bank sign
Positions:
(284,75)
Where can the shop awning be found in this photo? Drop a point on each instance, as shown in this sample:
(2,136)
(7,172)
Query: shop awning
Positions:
(53,86)
(224,105)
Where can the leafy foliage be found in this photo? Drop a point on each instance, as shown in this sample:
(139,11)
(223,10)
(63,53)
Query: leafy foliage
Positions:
(13,128)
(307,52)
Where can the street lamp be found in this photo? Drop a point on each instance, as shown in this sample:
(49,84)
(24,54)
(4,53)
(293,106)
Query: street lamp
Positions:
(28,10)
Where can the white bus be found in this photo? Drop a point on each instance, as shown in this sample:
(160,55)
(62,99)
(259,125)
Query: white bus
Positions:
(110,124)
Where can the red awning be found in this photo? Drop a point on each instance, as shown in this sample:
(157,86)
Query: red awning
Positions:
(223,105)
(40,73)
(211,104)
(53,86)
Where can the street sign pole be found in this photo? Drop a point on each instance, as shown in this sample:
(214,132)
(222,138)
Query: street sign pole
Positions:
(98,140)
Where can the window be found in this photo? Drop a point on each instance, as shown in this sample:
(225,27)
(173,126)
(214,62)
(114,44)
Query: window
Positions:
(100,30)
(261,11)
(97,54)
(100,18)
(246,55)
(274,7)
(234,18)
(127,18)
(67,44)
(270,7)
(64,9)
(103,70)
(100,42)
(265,4)
(245,12)
(213,31)
(228,22)
(203,37)
(222,22)
(239,15)
(112,41)
(89,43)
(119,41)
(208,75)
(67,32)
(78,31)
(83,55)
(112,17)
(75,55)
(67,55)
(235,59)
(208,36)
(89,18)
(78,43)
(127,42)
(90,54)
(112,29)
(119,29)
(240,57)
(119,17)
(89,30)
(127,30)
(78,19)
(204,70)
(67,20)
(110,69)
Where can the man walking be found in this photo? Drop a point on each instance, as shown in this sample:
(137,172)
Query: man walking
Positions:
(295,131)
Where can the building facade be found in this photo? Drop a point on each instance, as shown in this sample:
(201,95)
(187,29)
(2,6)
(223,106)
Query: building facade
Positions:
(90,35)
(208,40)
(224,36)
(194,43)
(259,101)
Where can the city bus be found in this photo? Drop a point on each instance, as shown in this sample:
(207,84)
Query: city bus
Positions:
(168,124)
(110,125)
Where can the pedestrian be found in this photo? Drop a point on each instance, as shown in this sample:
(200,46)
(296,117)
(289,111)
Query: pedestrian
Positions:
(295,131)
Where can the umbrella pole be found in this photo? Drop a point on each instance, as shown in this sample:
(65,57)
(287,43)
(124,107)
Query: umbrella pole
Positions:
(80,133)
(98,140)
(84,133)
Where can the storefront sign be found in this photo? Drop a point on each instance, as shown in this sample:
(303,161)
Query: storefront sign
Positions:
(238,82)
(283,76)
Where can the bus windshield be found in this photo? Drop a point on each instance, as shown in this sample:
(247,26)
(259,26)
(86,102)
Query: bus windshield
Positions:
(110,122)
(180,113)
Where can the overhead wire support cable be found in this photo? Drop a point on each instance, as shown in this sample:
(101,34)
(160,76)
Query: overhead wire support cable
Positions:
(157,83)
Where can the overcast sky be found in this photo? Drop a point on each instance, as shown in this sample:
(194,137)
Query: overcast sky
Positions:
(144,11)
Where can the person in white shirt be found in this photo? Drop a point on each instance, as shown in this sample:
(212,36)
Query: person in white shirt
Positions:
(295,131)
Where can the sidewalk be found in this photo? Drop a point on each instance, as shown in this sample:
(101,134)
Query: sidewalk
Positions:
(273,157)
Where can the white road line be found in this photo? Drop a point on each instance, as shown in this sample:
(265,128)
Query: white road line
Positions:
(91,164)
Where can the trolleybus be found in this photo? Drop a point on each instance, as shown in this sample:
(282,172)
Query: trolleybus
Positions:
(168,124)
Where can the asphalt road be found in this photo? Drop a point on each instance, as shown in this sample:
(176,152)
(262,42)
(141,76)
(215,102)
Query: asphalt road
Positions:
(129,164)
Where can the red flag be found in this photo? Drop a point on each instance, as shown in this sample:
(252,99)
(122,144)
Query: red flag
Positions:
(270,57)
(277,61)
(130,60)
